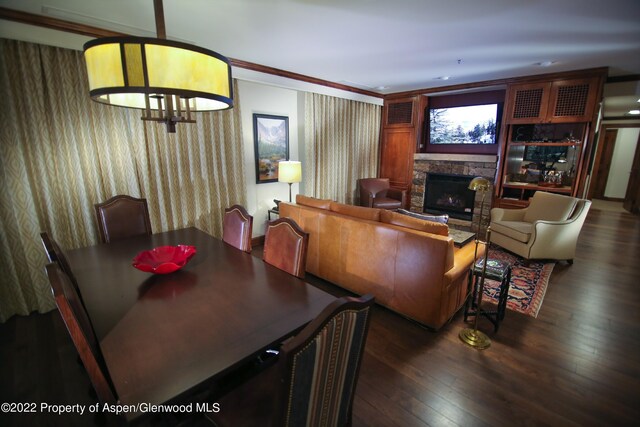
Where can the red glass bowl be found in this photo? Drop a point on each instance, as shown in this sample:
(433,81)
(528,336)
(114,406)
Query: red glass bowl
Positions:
(164,259)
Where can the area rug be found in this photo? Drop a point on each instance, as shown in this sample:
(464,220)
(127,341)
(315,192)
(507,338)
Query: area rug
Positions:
(528,283)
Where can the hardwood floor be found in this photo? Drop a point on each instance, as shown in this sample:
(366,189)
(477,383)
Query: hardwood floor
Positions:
(577,364)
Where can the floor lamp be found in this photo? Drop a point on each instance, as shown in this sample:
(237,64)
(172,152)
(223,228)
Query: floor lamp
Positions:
(289,171)
(474,337)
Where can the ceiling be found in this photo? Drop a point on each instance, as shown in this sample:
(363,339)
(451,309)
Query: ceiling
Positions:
(388,46)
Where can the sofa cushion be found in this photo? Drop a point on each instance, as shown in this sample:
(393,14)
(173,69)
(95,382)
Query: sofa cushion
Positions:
(444,219)
(549,207)
(406,221)
(371,214)
(313,202)
(517,230)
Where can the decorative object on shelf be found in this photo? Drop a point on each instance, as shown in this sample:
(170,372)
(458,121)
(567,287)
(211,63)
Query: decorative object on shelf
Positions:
(164,259)
(474,337)
(166,79)
(271,142)
(290,171)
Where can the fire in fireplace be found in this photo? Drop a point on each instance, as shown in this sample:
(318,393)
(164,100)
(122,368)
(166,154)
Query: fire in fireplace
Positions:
(449,194)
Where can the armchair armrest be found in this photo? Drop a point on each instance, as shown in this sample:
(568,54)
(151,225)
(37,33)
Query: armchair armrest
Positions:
(398,194)
(501,214)
(366,198)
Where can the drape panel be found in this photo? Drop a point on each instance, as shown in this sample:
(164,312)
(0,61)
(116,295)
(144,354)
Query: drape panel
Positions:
(60,153)
(342,139)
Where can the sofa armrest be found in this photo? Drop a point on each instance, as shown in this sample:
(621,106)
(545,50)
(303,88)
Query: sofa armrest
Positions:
(501,214)
(462,261)
(398,194)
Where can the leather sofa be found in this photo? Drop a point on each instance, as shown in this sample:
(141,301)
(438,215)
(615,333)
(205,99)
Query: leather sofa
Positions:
(410,265)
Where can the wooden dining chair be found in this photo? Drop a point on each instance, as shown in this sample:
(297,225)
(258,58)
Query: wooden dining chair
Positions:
(122,217)
(237,227)
(55,254)
(313,381)
(79,327)
(285,246)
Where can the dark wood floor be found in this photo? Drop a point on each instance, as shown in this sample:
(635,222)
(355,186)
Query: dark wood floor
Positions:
(577,364)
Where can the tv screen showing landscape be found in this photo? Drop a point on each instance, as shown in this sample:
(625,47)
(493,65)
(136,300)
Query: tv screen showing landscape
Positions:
(475,124)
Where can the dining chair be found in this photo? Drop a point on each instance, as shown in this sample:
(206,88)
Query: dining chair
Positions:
(122,217)
(285,246)
(237,227)
(313,381)
(79,327)
(55,254)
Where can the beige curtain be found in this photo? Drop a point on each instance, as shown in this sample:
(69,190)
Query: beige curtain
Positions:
(341,143)
(60,153)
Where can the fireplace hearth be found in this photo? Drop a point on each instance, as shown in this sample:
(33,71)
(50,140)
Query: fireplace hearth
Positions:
(449,194)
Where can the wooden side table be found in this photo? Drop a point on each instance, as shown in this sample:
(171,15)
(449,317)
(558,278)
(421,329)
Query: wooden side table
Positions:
(273,211)
(496,270)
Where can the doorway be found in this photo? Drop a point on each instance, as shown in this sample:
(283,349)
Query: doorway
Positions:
(615,176)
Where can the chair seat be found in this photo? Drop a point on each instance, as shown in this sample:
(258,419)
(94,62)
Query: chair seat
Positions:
(517,230)
(386,203)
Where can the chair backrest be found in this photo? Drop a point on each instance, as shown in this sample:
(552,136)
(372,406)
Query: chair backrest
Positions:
(56,254)
(237,227)
(79,327)
(322,363)
(285,246)
(370,188)
(547,206)
(122,217)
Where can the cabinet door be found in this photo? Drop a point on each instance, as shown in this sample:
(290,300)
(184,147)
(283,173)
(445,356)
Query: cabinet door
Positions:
(528,103)
(572,100)
(396,156)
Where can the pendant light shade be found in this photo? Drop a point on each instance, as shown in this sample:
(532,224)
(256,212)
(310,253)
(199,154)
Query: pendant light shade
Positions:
(123,71)
(168,80)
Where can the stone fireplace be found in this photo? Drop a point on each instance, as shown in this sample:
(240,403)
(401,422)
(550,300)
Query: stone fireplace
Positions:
(456,170)
(449,194)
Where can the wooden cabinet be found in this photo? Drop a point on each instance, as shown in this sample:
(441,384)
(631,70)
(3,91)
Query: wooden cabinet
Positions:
(560,101)
(548,126)
(399,137)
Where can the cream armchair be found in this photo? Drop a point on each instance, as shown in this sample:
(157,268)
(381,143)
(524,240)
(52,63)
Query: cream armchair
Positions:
(547,229)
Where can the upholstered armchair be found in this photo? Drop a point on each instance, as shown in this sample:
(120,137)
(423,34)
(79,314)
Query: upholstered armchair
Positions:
(547,229)
(376,193)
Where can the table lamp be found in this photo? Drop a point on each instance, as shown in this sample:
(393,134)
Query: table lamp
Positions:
(289,171)
(474,337)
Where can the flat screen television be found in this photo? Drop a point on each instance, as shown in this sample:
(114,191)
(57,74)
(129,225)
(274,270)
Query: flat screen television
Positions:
(473,124)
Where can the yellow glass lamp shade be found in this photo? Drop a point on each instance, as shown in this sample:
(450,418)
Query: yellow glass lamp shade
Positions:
(479,184)
(136,72)
(289,171)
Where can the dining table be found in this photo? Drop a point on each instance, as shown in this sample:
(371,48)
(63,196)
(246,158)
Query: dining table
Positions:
(163,336)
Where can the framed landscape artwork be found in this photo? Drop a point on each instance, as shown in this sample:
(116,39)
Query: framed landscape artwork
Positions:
(271,139)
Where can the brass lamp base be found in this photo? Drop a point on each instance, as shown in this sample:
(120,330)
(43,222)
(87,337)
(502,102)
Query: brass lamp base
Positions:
(475,338)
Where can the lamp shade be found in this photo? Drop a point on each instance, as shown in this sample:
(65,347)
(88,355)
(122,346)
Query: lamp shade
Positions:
(479,184)
(289,171)
(137,71)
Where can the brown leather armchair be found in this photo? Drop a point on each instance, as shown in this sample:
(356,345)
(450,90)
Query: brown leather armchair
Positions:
(376,193)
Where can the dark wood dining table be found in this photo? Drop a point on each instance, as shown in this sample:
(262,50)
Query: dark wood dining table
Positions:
(163,336)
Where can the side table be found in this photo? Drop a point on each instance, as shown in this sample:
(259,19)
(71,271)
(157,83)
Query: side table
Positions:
(496,270)
(273,211)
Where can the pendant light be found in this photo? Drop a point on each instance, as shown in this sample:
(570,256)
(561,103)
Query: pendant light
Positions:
(166,79)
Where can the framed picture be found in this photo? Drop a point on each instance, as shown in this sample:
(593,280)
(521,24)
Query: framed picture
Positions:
(271,139)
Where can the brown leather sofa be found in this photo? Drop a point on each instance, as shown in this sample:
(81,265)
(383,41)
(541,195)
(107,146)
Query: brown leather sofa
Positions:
(410,265)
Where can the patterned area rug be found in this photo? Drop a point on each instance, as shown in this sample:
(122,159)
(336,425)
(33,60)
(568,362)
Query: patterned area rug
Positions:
(528,283)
